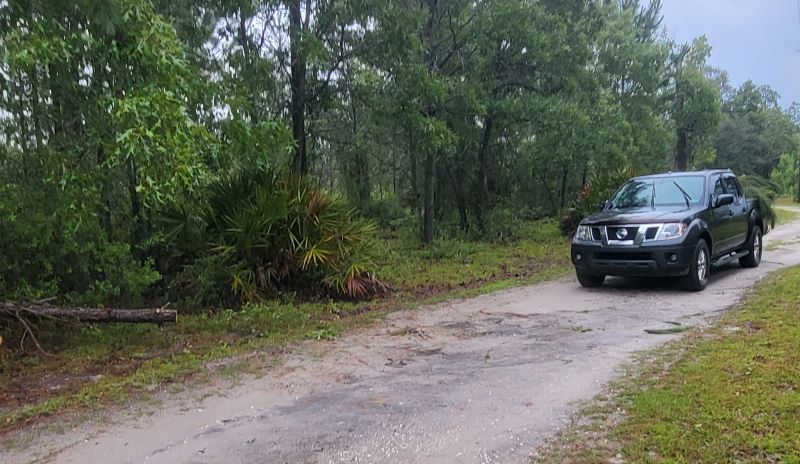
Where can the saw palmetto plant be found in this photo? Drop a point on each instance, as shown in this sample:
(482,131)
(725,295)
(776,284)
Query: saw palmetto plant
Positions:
(268,231)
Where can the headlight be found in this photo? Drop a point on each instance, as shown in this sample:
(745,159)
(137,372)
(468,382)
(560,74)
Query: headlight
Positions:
(584,233)
(670,231)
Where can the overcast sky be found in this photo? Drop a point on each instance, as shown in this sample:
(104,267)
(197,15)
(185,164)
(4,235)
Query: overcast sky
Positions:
(752,39)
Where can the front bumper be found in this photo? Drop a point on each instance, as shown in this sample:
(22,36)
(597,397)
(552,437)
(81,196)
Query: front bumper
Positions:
(647,259)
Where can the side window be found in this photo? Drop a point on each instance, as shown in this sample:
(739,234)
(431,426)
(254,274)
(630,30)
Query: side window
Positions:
(732,187)
(718,190)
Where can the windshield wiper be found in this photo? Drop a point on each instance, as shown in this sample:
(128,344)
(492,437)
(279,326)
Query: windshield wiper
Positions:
(653,197)
(686,197)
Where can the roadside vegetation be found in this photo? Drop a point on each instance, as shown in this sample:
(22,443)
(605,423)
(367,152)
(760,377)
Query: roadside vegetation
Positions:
(785,216)
(282,169)
(725,394)
(90,366)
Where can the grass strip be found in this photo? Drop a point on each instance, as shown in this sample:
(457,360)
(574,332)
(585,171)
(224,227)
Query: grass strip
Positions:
(727,394)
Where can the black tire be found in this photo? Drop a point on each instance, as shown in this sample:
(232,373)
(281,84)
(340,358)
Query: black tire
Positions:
(697,278)
(590,280)
(754,248)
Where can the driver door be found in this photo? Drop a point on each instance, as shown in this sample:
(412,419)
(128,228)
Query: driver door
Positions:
(738,212)
(721,224)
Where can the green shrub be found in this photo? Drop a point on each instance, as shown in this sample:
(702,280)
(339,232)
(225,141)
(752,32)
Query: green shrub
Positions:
(266,231)
(501,226)
(600,187)
(784,175)
(388,213)
(447,249)
(53,245)
(765,191)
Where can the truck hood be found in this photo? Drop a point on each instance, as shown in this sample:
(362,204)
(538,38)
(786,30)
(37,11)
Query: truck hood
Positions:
(644,215)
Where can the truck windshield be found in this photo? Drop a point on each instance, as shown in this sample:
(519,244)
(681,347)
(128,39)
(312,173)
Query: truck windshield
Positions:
(660,191)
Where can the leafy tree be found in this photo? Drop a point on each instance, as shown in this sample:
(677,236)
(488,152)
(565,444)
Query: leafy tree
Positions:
(756,132)
(695,102)
(100,136)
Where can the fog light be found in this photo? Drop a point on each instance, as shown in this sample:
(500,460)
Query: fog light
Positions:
(673,257)
(578,257)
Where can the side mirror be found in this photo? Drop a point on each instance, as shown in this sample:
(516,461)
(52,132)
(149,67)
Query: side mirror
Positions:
(604,204)
(724,199)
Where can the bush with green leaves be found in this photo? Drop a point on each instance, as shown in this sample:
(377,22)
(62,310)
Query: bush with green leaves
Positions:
(765,191)
(52,243)
(785,175)
(387,212)
(259,232)
(600,187)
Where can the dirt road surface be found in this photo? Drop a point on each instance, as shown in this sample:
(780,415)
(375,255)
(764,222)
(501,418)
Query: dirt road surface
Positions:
(482,380)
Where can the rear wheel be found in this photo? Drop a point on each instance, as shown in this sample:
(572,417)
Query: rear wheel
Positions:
(697,278)
(590,280)
(754,248)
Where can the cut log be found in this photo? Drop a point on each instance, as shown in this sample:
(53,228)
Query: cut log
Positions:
(148,315)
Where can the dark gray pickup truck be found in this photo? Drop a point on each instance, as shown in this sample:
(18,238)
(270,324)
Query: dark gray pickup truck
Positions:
(674,224)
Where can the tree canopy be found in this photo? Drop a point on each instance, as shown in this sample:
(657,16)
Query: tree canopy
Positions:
(123,123)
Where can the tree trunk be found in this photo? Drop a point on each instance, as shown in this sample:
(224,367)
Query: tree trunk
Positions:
(247,51)
(363,188)
(152,315)
(428,231)
(412,162)
(298,85)
(139,231)
(547,189)
(105,195)
(564,177)
(797,196)
(461,201)
(682,139)
(482,192)
(584,176)
(681,149)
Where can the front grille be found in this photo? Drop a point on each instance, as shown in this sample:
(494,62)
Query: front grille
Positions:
(630,232)
(617,256)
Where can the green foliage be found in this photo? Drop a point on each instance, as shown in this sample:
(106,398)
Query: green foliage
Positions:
(764,191)
(135,358)
(757,135)
(52,244)
(105,138)
(387,213)
(786,174)
(600,188)
(723,393)
(728,394)
(442,249)
(695,107)
(122,120)
(267,230)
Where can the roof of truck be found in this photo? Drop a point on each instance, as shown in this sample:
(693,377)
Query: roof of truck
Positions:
(704,172)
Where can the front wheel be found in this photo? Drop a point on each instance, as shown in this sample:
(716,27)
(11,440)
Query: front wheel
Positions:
(754,248)
(590,280)
(697,278)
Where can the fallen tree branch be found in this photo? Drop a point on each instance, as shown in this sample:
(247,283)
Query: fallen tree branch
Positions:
(29,331)
(149,315)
